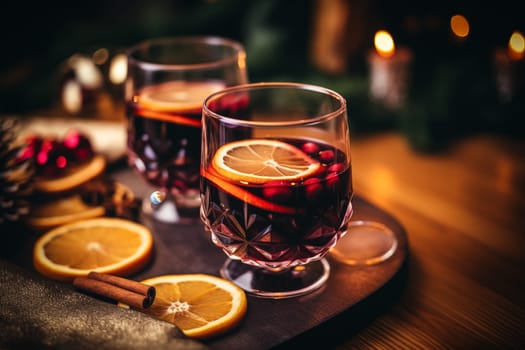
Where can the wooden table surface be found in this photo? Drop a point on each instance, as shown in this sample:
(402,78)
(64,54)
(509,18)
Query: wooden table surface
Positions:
(464,212)
(462,285)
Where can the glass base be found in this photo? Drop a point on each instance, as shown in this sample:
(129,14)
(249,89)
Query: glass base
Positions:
(288,283)
(168,209)
(365,243)
(165,212)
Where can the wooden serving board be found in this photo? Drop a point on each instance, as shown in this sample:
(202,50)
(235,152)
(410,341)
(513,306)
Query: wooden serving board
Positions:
(186,248)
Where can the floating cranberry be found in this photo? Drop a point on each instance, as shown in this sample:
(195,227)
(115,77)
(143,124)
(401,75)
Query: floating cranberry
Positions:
(333,181)
(277,190)
(337,167)
(313,188)
(180,185)
(321,171)
(230,104)
(243,101)
(326,156)
(310,147)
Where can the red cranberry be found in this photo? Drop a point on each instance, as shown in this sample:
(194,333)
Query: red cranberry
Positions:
(237,103)
(79,145)
(277,190)
(243,102)
(44,154)
(321,171)
(231,104)
(310,147)
(326,156)
(72,139)
(51,157)
(337,167)
(31,148)
(313,188)
(333,181)
(61,162)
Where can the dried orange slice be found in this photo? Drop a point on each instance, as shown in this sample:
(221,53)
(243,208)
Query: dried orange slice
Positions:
(170,101)
(62,210)
(73,178)
(259,161)
(105,245)
(201,305)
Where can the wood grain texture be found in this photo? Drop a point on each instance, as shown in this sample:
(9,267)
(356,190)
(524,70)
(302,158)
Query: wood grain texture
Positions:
(187,248)
(462,285)
(464,213)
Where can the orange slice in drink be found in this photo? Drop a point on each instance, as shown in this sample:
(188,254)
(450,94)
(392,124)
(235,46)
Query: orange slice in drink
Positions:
(258,161)
(105,245)
(201,305)
(173,100)
(246,196)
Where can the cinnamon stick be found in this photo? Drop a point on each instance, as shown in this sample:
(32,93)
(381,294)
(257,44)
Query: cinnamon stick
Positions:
(125,283)
(132,293)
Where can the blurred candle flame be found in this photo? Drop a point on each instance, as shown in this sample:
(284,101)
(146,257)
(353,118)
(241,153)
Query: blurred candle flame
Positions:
(459,26)
(516,46)
(384,43)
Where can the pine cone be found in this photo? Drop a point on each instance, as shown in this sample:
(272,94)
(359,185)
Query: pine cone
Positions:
(16,174)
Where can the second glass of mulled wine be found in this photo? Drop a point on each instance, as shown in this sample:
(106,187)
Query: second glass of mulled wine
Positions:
(168,79)
(276,183)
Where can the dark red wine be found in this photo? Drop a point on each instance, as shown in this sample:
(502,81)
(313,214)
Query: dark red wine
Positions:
(164,134)
(280,223)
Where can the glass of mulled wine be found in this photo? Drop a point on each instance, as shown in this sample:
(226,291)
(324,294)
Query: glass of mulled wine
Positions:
(276,183)
(168,79)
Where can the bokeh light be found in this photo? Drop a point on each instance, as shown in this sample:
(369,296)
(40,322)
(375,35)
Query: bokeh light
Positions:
(384,43)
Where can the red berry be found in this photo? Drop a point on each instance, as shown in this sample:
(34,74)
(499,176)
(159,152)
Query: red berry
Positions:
(277,190)
(61,162)
(337,167)
(44,154)
(79,146)
(31,148)
(83,154)
(333,181)
(51,157)
(326,156)
(72,139)
(313,188)
(310,147)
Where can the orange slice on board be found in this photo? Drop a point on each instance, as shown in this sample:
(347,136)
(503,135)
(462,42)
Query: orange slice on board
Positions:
(201,305)
(172,100)
(105,245)
(258,161)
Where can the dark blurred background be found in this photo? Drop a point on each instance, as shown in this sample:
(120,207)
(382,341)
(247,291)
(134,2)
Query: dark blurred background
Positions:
(453,88)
